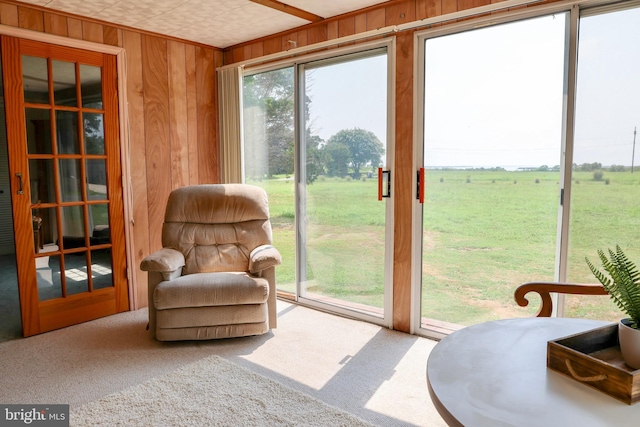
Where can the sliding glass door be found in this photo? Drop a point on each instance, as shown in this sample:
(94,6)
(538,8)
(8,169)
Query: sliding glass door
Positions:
(316,137)
(269,138)
(343,155)
(491,156)
(606,178)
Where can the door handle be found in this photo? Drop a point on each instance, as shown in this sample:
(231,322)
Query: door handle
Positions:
(420,178)
(384,183)
(20,190)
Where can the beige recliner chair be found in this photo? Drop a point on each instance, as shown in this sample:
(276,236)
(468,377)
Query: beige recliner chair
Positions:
(215,275)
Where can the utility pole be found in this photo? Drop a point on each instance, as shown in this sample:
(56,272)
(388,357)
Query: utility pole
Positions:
(633,154)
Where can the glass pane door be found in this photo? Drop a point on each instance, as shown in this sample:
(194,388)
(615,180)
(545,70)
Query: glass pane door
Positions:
(342,162)
(268,124)
(493,105)
(63,148)
(606,178)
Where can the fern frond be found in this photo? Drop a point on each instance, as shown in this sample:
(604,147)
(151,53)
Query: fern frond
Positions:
(622,282)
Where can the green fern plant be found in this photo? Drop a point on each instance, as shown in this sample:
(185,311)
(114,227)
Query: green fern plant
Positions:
(622,282)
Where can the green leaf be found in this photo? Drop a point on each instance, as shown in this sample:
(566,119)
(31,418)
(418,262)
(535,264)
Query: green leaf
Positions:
(621,279)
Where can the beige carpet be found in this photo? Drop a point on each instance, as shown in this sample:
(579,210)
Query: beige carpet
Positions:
(211,392)
(376,374)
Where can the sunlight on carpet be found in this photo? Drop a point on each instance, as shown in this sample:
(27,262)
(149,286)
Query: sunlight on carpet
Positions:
(212,391)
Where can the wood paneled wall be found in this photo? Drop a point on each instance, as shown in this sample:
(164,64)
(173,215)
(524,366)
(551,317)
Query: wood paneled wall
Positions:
(390,13)
(172,106)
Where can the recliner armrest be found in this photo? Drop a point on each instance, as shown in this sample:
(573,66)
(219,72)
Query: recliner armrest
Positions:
(166,261)
(263,257)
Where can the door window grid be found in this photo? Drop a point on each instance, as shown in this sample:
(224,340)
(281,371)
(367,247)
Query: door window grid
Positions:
(70,139)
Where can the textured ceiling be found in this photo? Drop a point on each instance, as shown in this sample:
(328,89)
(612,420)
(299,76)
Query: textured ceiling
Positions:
(218,23)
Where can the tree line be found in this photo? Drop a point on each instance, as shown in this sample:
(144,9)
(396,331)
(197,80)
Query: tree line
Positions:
(269,134)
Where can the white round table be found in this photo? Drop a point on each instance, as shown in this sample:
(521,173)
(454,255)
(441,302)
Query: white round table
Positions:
(495,374)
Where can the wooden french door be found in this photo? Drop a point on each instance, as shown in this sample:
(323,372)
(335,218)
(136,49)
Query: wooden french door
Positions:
(64,163)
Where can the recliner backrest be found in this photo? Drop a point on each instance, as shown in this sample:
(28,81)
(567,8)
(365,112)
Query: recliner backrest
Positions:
(216,226)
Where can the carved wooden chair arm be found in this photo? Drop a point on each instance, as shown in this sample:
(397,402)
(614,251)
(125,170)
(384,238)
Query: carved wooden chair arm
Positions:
(544,289)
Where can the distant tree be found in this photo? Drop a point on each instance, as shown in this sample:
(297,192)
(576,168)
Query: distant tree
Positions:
(269,101)
(337,157)
(269,112)
(589,167)
(314,158)
(353,148)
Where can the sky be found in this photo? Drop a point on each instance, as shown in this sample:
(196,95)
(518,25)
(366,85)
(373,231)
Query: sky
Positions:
(494,95)
(359,86)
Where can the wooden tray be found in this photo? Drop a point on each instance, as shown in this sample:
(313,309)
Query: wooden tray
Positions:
(593,357)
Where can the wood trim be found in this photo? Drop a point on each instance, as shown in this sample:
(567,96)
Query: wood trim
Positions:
(59,40)
(403,207)
(290,10)
(139,216)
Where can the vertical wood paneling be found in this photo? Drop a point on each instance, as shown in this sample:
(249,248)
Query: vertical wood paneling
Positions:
(360,23)
(74,28)
(132,42)
(257,50)
(238,54)
(428,8)
(317,34)
(273,45)
(347,27)
(401,13)
(449,6)
(208,153)
(30,19)
(375,19)
(403,183)
(469,4)
(332,30)
(177,112)
(55,24)
(302,37)
(228,56)
(156,123)
(9,14)
(111,35)
(92,32)
(192,113)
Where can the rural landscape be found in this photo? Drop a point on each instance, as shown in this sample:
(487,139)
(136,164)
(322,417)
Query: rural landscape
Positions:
(484,232)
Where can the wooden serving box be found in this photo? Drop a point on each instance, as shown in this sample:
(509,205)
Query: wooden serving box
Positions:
(593,358)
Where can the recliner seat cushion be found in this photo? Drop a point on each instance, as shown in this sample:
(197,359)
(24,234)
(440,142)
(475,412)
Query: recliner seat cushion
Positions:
(211,289)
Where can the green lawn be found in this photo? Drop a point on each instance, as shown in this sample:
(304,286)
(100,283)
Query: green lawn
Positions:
(484,233)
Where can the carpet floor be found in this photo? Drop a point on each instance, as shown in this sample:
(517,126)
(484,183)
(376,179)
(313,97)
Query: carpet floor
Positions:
(373,373)
(211,392)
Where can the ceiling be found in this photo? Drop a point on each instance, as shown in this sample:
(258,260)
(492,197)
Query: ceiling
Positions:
(217,23)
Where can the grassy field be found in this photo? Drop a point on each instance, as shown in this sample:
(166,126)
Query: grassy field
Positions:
(484,233)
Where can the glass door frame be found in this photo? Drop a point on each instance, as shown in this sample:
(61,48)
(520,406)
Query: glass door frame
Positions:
(566,144)
(299,168)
